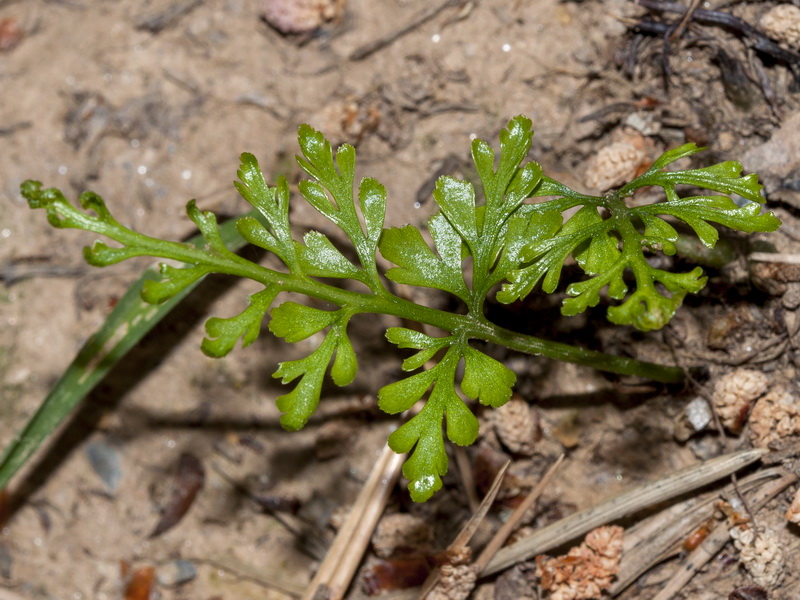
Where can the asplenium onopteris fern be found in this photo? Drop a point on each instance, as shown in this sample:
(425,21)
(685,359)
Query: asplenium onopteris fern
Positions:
(479,242)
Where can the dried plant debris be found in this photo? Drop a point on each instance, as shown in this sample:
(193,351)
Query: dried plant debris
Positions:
(734,394)
(380,576)
(137,584)
(517,426)
(748,592)
(793,512)
(740,27)
(11,34)
(782,24)
(456,582)
(586,570)
(189,479)
(760,554)
(775,416)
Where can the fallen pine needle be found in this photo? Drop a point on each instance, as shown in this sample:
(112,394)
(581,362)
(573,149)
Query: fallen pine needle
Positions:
(717,539)
(641,497)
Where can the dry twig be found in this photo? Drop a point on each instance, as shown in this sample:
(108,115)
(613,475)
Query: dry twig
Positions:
(337,570)
(661,536)
(458,551)
(717,539)
(625,504)
(511,524)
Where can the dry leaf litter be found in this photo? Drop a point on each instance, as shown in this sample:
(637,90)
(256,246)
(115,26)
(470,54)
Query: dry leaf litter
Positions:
(760,554)
(586,570)
(734,394)
(775,416)
(516,426)
(457,577)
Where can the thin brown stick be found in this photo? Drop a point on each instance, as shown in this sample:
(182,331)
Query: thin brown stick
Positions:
(687,16)
(340,564)
(467,477)
(717,539)
(509,526)
(640,497)
(456,548)
(466,533)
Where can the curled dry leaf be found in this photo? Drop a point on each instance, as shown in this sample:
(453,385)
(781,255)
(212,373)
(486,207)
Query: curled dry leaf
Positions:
(517,426)
(760,554)
(793,512)
(586,570)
(748,592)
(382,576)
(775,416)
(734,393)
(137,584)
(189,478)
(11,34)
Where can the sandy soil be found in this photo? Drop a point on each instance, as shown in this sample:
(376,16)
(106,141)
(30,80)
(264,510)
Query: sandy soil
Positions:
(151,103)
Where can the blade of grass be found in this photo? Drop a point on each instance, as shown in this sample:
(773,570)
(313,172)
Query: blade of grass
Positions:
(126,325)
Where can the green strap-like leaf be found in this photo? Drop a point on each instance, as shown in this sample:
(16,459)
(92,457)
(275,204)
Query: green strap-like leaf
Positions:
(129,321)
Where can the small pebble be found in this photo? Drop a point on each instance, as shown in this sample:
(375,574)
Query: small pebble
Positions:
(106,462)
(175,573)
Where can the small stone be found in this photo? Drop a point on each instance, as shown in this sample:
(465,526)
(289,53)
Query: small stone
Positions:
(300,16)
(693,418)
(175,573)
(106,462)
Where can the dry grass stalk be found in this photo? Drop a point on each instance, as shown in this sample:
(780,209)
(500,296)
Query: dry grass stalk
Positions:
(718,537)
(458,550)
(661,536)
(641,497)
(511,524)
(337,570)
